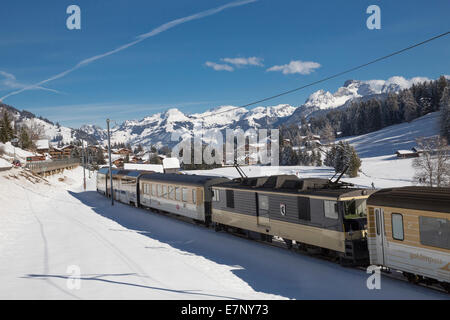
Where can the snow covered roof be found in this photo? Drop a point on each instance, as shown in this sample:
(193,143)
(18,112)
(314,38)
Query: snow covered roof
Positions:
(171,163)
(41,144)
(404,151)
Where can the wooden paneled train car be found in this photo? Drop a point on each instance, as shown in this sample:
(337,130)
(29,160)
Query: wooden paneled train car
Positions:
(409,230)
(406,228)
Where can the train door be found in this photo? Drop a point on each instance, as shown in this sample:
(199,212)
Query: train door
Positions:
(262,210)
(379,225)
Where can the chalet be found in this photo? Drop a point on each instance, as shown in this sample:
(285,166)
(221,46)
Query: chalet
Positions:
(171,165)
(417,150)
(67,150)
(123,151)
(118,163)
(42,146)
(56,153)
(403,154)
(136,159)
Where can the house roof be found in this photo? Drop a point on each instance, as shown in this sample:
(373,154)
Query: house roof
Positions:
(41,144)
(404,151)
(171,163)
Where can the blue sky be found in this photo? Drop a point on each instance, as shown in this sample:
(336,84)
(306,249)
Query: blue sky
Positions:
(171,68)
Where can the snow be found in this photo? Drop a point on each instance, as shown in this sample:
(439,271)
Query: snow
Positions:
(41,144)
(123,252)
(171,163)
(4,164)
(130,253)
(352,89)
(10,151)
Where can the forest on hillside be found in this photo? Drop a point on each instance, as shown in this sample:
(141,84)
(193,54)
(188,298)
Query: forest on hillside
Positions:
(367,116)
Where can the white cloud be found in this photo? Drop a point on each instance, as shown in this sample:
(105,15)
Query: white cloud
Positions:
(140,38)
(296,66)
(252,61)
(218,66)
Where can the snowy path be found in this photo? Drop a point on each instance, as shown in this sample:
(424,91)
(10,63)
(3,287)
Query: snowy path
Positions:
(130,253)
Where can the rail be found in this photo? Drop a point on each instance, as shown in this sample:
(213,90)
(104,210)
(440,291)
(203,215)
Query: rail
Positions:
(51,166)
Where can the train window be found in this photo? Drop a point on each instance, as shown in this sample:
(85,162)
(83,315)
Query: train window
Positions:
(164,191)
(184,194)
(194,196)
(215,196)
(263,202)
(304,209)
(434,232)
(397,226)
(171,193)
(177,193)
(355,208)
(330,209)
(230,198)
(159,188)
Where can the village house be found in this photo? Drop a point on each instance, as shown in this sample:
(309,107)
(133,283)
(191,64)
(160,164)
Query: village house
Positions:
(56,153)
(123,151)
(67,150)
(42,146)
(403,154)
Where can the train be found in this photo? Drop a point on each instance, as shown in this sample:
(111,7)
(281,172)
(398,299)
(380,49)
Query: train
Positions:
(405,228)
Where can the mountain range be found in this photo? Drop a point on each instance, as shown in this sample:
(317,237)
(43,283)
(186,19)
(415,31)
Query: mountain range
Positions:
(157,129)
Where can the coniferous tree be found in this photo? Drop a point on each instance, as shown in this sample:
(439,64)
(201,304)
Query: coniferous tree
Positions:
(409,105)
(24,139)
(445,114)
(6,130)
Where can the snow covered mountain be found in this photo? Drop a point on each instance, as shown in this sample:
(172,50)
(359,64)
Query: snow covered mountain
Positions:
(353,90)
(157,129)
(53,132)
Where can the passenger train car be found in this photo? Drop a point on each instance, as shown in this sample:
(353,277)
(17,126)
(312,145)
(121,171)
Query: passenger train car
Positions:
(409,230)
(181,194)
(312,212)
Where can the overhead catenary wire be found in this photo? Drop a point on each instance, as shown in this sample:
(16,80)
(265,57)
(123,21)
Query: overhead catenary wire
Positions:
(334,75)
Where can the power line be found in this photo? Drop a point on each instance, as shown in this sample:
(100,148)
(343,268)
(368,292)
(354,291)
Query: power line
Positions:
(334,75)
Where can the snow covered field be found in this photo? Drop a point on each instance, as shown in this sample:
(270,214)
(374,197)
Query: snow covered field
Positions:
(129,253)
(49,226)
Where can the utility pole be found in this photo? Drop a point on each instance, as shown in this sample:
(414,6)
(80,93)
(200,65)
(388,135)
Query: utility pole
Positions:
(84,166)
(110,164)
(89,163)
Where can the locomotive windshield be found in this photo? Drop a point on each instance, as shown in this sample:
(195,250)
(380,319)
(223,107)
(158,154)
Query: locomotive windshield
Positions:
(355,208)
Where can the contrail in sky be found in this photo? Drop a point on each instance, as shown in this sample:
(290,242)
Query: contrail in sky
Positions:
(140,38)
